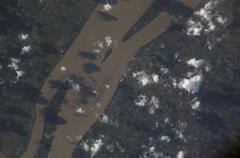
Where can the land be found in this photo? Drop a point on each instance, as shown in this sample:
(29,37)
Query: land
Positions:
(103,75)
(129,130)
(81,93)
(51,28)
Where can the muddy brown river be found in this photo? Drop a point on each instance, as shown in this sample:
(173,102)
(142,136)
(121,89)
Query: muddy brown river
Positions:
(92,37)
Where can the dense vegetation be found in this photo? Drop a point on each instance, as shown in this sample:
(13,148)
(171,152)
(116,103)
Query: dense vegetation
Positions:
(51,27)
(209,132)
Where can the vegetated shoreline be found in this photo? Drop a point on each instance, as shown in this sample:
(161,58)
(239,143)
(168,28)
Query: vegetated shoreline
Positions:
(117,74)
(55,59)
(229,152)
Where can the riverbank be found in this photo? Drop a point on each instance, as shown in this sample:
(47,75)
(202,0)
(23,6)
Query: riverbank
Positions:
(105,77)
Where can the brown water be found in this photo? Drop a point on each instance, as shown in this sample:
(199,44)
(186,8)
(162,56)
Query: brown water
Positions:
(127,13)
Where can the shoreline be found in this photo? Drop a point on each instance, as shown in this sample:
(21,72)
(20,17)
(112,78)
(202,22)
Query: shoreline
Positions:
(110,71)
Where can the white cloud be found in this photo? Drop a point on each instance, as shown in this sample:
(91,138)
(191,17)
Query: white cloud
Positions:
(144,78)
(194,62)
(106,7)
(20,73)
(208,18)
(23,36)
(166,139)
(155,78)
(63,68)
(78,138)
(192,85)
(80,111)
(110,147)
(104,119)
(190,74)
(141,100)
(92,146)
(211,27)
(151,152)
(195,104)
(14,63)
(97,144)
(26,49)
(194,28)
(76,87)
(107,86)
(96,51)
(108,40)
(204,13)
(153,104)
(94,91)
(167,120)
(210,45)
(179,134)
(174,82)
(164,70)
(207,68)
(221,20)
(85,146)
(98,104)
(180,154)
(100,44)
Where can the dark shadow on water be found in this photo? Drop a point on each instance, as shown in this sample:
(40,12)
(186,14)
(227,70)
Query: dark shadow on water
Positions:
(55,103)
(86,91)
(51,120)
(106,17)
(171,7)
(88,55)
(55,83)
(41,100)
(175,27)
(59,120)
(176,8)
(112,2)
(108,53)
(90,68)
